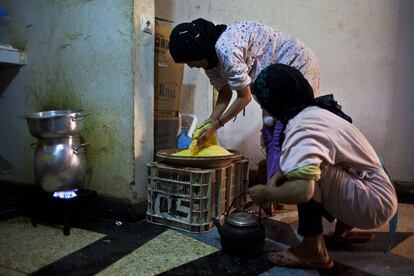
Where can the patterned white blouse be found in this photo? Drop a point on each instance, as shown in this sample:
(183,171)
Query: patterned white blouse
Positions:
(247,47)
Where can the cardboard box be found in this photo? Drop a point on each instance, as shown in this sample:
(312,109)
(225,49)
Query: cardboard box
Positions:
(168,75)
(165,113)
(165,132)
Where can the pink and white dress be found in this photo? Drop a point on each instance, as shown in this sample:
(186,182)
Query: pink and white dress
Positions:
(353,186)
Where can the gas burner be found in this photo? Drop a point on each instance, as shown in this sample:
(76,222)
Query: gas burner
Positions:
(68,194)
(61,207)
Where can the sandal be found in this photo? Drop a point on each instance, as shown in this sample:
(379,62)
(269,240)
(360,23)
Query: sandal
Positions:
(288,258)
(349,238)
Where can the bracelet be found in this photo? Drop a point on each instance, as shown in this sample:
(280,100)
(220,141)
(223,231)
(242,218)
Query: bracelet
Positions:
(220,122)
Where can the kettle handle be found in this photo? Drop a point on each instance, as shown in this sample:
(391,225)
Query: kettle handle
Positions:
(226,212)
(260,213)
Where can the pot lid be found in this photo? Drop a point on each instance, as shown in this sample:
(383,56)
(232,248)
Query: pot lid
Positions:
(241,219)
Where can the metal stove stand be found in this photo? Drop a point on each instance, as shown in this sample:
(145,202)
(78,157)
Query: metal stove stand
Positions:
(60,210)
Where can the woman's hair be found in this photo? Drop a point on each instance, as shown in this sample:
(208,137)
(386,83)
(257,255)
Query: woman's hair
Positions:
(284,92)
(195,41)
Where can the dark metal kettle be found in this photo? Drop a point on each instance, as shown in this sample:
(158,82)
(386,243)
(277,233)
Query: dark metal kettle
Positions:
(241,234)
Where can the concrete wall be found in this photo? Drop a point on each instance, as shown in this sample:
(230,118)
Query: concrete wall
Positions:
(365,51)
(143,96)
(80,54)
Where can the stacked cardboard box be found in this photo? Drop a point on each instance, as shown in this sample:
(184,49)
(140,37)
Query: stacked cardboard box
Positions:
(168,77)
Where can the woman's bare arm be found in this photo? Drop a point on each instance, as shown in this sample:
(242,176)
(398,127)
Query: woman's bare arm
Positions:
(293,191)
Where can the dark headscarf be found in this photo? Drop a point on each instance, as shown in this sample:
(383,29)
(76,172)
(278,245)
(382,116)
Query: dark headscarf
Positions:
(284,92)
(195,41)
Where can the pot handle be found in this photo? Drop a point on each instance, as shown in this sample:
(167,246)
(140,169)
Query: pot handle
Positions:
(78,117)
(80,149)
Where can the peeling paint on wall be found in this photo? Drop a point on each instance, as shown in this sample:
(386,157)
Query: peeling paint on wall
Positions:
(79,56)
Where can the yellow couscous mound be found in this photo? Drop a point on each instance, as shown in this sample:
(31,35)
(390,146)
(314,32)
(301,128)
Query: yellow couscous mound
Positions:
(210,148)
(213,150)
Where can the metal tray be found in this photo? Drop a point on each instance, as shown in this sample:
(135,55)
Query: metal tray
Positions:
(166,157)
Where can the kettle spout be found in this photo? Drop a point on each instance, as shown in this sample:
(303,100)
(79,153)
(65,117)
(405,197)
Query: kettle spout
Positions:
(217,224)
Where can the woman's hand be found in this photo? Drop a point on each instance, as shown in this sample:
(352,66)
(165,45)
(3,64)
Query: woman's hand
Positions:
(258,193)
(198,130)
(207,131)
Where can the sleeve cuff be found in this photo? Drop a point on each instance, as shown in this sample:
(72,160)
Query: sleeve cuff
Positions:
(236,85)
(308,172)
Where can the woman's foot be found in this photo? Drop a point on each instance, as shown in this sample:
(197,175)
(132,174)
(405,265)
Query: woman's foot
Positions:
(310,253)
(342,229)
(344,235)
(288,258)
(350,238)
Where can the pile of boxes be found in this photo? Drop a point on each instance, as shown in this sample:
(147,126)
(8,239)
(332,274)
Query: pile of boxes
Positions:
(168,77)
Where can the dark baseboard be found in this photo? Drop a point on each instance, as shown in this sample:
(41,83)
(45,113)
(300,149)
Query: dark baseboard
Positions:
(115,209)
(15,198)
(405,191)
(404,187)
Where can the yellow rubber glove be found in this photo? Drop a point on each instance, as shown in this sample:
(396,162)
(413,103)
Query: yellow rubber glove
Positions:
(200,126)
(211,147)
(194,148)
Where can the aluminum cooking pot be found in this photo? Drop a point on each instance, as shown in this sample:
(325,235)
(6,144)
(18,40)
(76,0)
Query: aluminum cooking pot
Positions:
(60,163)
(55,123)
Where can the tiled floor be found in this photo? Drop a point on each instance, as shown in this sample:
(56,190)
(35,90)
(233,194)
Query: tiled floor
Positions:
(166,251)
(105,247)
(27,249)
